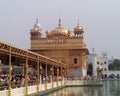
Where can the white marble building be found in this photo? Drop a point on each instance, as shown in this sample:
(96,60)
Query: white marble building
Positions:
(93,61)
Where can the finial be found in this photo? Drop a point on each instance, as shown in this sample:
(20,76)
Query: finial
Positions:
(37,20)
(36,23)
(78,23)
(59,22)
(93,50)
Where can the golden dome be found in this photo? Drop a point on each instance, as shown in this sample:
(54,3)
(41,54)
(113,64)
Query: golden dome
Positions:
(35,30)
(78,29)
(36,27)
(58,31)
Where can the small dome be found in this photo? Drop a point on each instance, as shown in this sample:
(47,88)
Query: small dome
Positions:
(78,29)
(58,31)
(36,27)
(36,30)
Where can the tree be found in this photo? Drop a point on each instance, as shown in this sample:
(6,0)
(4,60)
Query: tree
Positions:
(115,65)
(111,67)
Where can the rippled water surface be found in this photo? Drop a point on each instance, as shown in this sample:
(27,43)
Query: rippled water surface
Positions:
(110,88)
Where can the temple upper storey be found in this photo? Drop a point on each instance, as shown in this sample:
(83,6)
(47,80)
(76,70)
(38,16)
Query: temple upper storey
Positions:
(57,33)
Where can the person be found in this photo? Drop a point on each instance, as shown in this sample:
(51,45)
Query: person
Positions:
(22,81)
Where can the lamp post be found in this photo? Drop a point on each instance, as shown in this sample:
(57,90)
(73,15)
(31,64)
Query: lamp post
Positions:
(38,79)
(57,76)
(26,75)
(99,72)
(40,74)
(26,78)
(61,75)
(9,77)
(9,73)
(66,75)
(51,70)
(46,75)
(0,67)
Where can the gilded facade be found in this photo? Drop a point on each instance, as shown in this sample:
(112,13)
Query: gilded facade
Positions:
(63,45)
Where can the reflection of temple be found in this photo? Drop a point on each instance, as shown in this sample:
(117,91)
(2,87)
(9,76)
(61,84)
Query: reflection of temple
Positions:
(62,45)
(79,91)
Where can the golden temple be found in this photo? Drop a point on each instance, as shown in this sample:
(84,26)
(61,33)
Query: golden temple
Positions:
(62,45)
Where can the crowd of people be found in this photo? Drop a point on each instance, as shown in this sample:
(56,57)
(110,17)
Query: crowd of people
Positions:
(18,80)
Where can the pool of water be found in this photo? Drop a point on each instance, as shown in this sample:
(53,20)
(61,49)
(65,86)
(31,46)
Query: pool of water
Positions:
(110,88)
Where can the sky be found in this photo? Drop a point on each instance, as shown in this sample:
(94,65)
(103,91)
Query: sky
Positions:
(99,18)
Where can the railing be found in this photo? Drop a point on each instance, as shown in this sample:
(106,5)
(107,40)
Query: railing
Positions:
(33,88)
(74,82)
(83,82)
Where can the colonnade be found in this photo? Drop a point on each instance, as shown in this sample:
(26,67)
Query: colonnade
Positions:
(44,67)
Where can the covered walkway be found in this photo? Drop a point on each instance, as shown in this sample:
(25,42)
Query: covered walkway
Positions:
(27,71)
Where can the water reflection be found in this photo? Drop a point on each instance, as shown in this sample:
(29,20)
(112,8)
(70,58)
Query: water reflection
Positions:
(110,88)
(78,91)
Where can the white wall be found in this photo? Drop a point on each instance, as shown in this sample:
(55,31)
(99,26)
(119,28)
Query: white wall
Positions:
(103,62)
(94,59)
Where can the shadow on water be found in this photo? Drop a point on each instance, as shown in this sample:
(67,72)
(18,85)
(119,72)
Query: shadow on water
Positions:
(110,88)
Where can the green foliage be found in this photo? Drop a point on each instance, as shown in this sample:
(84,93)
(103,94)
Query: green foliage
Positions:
(115,65)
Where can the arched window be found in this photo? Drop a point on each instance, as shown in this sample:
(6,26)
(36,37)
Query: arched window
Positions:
(105,69)
(75,60)
(105,62)
(90,69)
(98,62)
